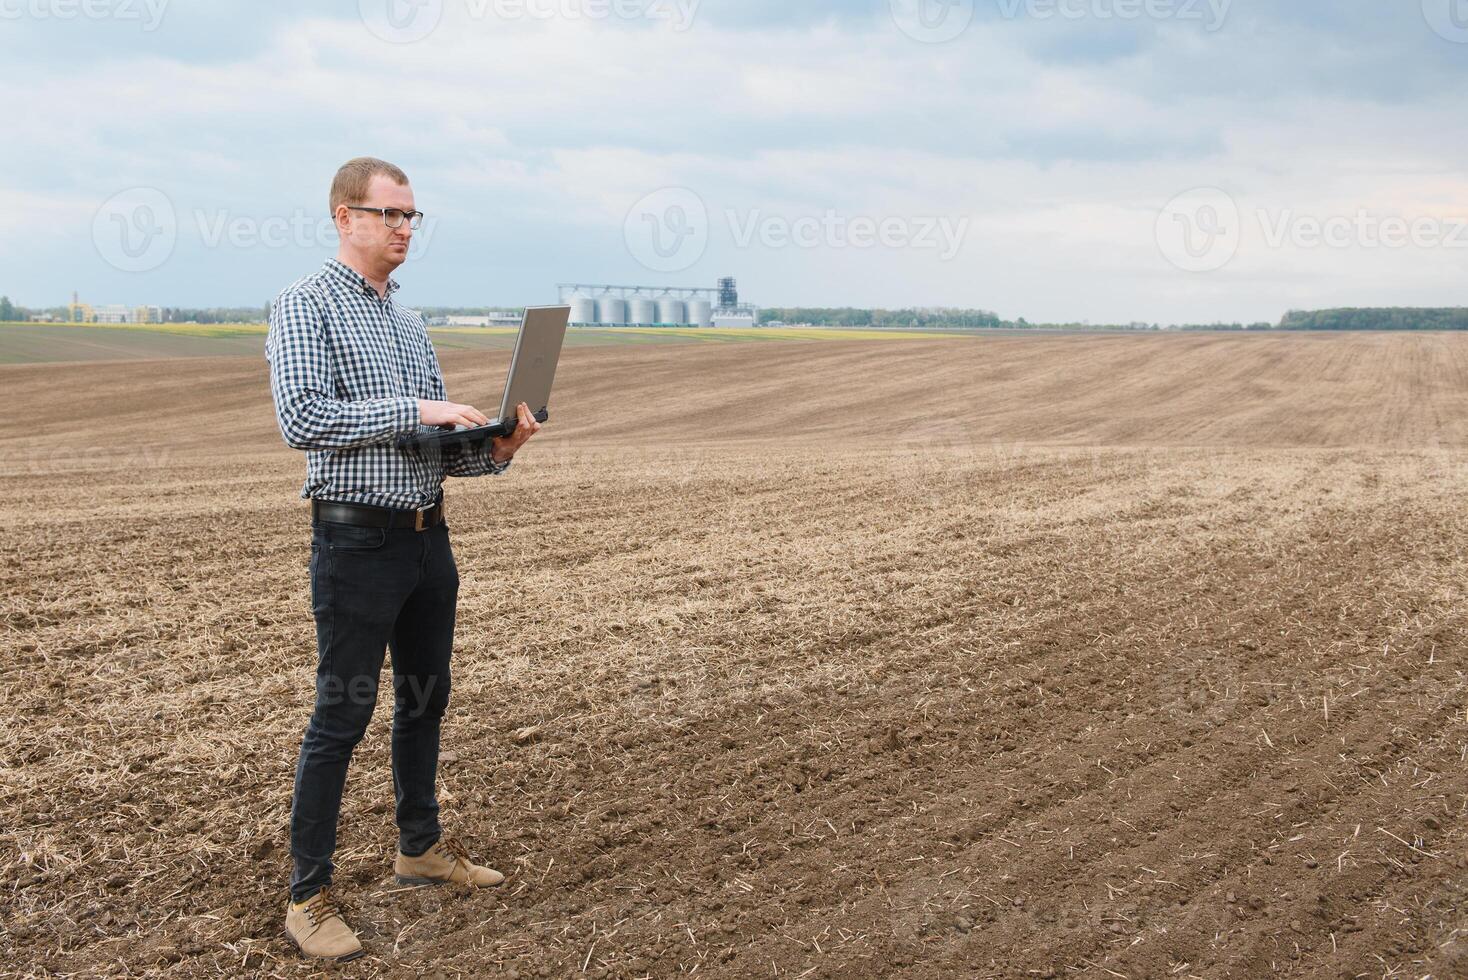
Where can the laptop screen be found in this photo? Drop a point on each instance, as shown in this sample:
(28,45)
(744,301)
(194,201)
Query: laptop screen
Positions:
(533,363)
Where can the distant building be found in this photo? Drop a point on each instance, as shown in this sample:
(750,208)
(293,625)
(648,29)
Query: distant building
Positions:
(607,304)
(488,320)
(80,312)
(112,313)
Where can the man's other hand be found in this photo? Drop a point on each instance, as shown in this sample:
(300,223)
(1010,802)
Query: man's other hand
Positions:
(525,426)
(445,414)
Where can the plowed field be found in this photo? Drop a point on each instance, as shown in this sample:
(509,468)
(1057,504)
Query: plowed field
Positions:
(1091,656)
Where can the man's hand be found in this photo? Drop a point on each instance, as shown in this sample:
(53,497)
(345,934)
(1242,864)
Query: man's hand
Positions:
(445,414)
(504,446)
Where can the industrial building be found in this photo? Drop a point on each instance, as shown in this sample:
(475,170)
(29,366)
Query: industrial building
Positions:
(657,306)
(112,313)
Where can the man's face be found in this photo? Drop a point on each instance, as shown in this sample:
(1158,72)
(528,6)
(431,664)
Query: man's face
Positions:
(367,234)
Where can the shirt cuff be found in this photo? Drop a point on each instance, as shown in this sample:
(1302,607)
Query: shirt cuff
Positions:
(475,460)
(405,419)
(493,468)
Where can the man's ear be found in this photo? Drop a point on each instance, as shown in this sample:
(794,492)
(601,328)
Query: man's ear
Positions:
(341,217)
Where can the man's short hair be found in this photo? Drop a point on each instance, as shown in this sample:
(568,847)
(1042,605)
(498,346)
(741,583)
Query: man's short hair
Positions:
(350,184)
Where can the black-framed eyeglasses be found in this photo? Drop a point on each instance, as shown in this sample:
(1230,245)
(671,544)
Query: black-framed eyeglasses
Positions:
(394,217)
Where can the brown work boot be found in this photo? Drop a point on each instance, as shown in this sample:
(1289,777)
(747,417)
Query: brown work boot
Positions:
(445,861)
(318,931)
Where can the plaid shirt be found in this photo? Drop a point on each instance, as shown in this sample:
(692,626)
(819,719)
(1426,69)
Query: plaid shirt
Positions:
(347,368)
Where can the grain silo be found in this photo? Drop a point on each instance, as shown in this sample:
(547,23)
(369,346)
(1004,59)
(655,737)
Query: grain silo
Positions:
(670,311)
(611,309)
(700,313)
(642,310)
(583,309)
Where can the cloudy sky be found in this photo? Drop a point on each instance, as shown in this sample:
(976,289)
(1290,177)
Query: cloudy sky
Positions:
(1100,160)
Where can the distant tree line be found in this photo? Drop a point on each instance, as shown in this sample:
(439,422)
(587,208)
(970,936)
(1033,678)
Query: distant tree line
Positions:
(947,318)
(912,318)
(1404,318)
(1390,318)
(216,314)
(1224,326)
(9,312)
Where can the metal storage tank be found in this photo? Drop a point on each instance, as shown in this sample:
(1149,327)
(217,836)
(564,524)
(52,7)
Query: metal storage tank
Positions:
(700,313)
(670,310)
(583,309)
(611,309)
(641,309)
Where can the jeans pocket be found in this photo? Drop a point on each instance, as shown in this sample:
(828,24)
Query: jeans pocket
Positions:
(349,537)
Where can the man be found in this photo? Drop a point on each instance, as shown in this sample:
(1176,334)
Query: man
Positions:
(353,375)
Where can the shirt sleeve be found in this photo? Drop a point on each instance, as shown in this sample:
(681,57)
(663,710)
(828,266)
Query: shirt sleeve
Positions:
(302,384)
(475,460)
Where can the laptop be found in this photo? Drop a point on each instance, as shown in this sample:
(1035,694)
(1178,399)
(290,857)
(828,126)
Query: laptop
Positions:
(532,369)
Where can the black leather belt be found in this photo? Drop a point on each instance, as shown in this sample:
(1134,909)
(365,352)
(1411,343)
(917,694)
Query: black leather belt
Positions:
(364,515)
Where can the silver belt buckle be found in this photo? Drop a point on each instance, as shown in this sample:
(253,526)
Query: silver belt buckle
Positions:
(418,520)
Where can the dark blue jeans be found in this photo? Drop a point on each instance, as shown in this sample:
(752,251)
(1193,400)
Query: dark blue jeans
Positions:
(373,589)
